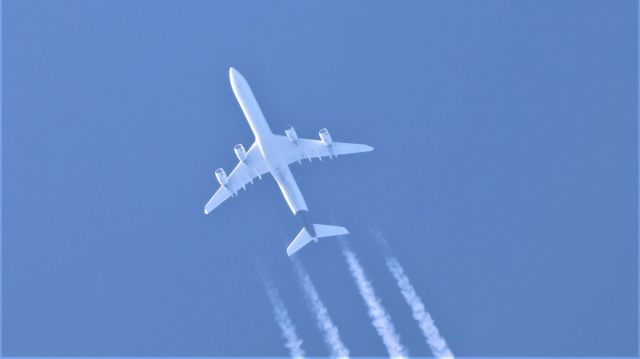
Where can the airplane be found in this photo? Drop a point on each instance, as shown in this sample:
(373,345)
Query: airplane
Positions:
(271,153)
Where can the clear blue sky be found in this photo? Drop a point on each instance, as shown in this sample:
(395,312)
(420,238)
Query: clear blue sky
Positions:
(504,175)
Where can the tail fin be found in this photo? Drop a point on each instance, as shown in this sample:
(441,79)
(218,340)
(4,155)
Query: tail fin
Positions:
(322,230)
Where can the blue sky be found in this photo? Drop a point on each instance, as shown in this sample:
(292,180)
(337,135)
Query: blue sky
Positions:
(504,176)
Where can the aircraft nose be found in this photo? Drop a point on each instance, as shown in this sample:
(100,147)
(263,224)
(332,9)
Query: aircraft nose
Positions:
(235,74)
(235,77)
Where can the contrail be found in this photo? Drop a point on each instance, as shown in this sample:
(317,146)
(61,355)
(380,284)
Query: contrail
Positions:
(287,329)
(380,318)
(325,324)
(437,344)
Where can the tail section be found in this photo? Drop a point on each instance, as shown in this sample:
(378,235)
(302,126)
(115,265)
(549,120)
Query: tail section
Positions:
(322,230)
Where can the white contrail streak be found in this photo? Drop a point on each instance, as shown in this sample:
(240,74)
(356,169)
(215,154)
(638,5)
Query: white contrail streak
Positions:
(381,320)
(325,324)
(287,329)
(437,344)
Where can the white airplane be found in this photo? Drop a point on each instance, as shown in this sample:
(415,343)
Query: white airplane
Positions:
(271,153)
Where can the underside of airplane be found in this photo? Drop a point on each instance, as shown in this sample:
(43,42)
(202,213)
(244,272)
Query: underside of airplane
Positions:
(272,153)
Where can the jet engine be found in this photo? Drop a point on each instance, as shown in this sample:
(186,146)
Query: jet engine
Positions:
(291,134)
(325,137)
(221,175)
(240,152)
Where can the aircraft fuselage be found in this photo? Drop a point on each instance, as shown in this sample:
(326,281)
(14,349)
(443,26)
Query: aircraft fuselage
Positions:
(264,138)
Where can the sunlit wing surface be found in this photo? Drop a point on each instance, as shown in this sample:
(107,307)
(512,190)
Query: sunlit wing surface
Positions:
(244,173)
(302,148)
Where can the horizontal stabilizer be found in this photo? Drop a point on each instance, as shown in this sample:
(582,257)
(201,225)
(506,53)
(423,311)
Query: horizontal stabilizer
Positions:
(322,230)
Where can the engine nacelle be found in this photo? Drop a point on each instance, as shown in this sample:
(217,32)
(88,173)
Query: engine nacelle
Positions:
(291,134)
(240,152)
(221,175)
(325,137)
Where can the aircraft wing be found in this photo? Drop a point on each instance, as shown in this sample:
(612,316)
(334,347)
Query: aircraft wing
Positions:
(304,148)
(244,173)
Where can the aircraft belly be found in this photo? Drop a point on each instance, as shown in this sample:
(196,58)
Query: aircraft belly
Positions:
(289,189)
